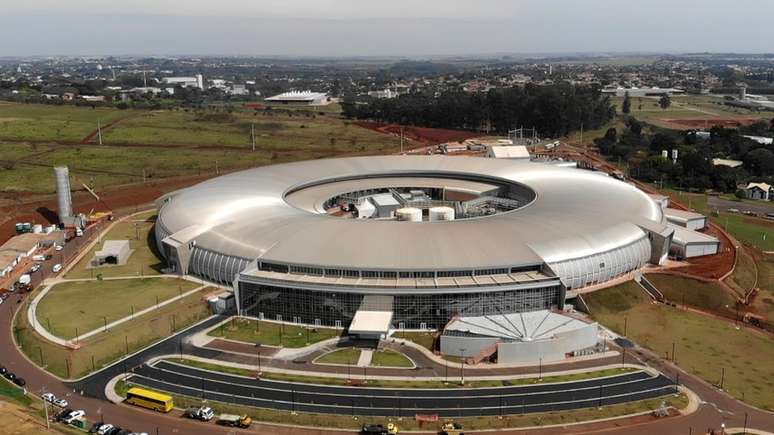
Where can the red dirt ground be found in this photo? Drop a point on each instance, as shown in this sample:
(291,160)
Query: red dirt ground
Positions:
(690,123)
(420,134)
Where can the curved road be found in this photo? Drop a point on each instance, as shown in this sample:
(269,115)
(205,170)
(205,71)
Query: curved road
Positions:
(88,394)
(463,402)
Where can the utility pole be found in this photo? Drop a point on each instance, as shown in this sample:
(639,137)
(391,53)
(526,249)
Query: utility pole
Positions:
(48,423)
(217,171)
(252,134)
(401,139)
(99,132)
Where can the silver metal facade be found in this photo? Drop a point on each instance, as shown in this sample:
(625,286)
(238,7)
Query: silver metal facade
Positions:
(582,224)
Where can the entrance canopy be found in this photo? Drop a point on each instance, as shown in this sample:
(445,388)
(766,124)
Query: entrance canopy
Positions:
(374,317)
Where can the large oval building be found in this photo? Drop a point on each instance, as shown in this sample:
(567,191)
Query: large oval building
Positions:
(426,237)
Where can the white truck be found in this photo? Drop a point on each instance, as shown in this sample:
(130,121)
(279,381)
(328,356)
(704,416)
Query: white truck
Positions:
(203,413)
(25,279)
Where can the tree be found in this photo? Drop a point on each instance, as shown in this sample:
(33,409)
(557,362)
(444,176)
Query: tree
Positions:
(740,193)
(759,162)
(626,107)
(665,101)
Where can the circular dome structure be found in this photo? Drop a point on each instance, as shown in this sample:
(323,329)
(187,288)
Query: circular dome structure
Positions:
(512,218)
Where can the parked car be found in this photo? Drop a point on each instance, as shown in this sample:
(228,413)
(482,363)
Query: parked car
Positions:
(38,257)
(61,403)
(62,414)
(52,399)
(58,247)
(10,376)
(57,268)
(73,416)
(3,370)
(105,428)
(733,210)
(451,428)
(35,267)
(20,382)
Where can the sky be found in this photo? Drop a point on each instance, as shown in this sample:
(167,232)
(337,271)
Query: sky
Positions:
(382,28)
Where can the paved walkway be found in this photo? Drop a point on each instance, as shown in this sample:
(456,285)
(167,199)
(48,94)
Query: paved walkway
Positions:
(365,357)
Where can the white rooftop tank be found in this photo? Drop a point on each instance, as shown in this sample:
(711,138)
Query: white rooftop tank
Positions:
(409,214)
(441,214)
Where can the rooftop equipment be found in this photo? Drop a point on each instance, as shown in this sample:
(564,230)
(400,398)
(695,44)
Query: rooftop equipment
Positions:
(409,214)
(441,214)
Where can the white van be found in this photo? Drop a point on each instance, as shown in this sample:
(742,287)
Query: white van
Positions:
(57,268)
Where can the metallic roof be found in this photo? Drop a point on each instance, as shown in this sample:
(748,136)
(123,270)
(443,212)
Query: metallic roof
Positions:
(575,213)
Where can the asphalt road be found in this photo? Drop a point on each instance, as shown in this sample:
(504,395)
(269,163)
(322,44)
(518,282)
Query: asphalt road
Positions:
(391,402)
(760,207)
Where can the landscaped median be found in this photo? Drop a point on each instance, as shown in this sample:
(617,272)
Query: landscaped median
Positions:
(678,402)
(351,355)
(373,381)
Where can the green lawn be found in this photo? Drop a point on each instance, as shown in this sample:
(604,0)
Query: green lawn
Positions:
(389,358)
(703,295)
(103,349)
(11,392)
(704,345)
(764,300)
(272,333)
(694,106)
(422,338)
(52,123)
(346,355)
(88,305)
(142,262)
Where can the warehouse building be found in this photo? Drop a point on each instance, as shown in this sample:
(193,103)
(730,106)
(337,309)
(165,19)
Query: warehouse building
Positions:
(689,244)
(302,97)
(684,218)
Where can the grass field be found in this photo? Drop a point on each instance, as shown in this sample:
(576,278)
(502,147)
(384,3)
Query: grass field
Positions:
(53,123)
(272,333)
(690,106)
(703,295)
(142,262)
(703,344)
(764,301)
(470,423)
(389,358)
(103,349)
(346,355)
(174,142)
(75,305)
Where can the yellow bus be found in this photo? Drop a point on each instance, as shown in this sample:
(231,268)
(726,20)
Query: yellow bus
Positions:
(149,399)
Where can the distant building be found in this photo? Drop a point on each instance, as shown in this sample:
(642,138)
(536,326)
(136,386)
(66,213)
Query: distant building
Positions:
(387,93)
(508,152)
(760,191)
(302,97)
(239,90)
(642,92)
(726,162)
(196,81)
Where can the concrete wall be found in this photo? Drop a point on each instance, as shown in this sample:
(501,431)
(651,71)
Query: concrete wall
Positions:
(452,345)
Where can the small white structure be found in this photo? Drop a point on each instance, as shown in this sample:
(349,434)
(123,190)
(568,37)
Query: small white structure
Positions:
(508,152)
(758,191)
(526,337)
(365,209)
(642,92)
(726,162)
(688,244)
(409,214)
(441,214)
(687,219)
(112,252)
(661,200)
(373,319)
(302,97)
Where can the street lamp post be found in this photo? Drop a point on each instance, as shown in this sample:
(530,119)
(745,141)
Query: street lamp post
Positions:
(462,366)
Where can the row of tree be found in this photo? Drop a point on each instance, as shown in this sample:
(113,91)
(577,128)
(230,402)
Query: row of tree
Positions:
(554,110)
(693,168)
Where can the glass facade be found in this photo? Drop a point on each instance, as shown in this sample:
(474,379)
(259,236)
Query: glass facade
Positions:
(413,311)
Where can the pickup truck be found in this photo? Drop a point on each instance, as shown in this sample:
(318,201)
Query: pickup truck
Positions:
(235,420)
(203,413)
